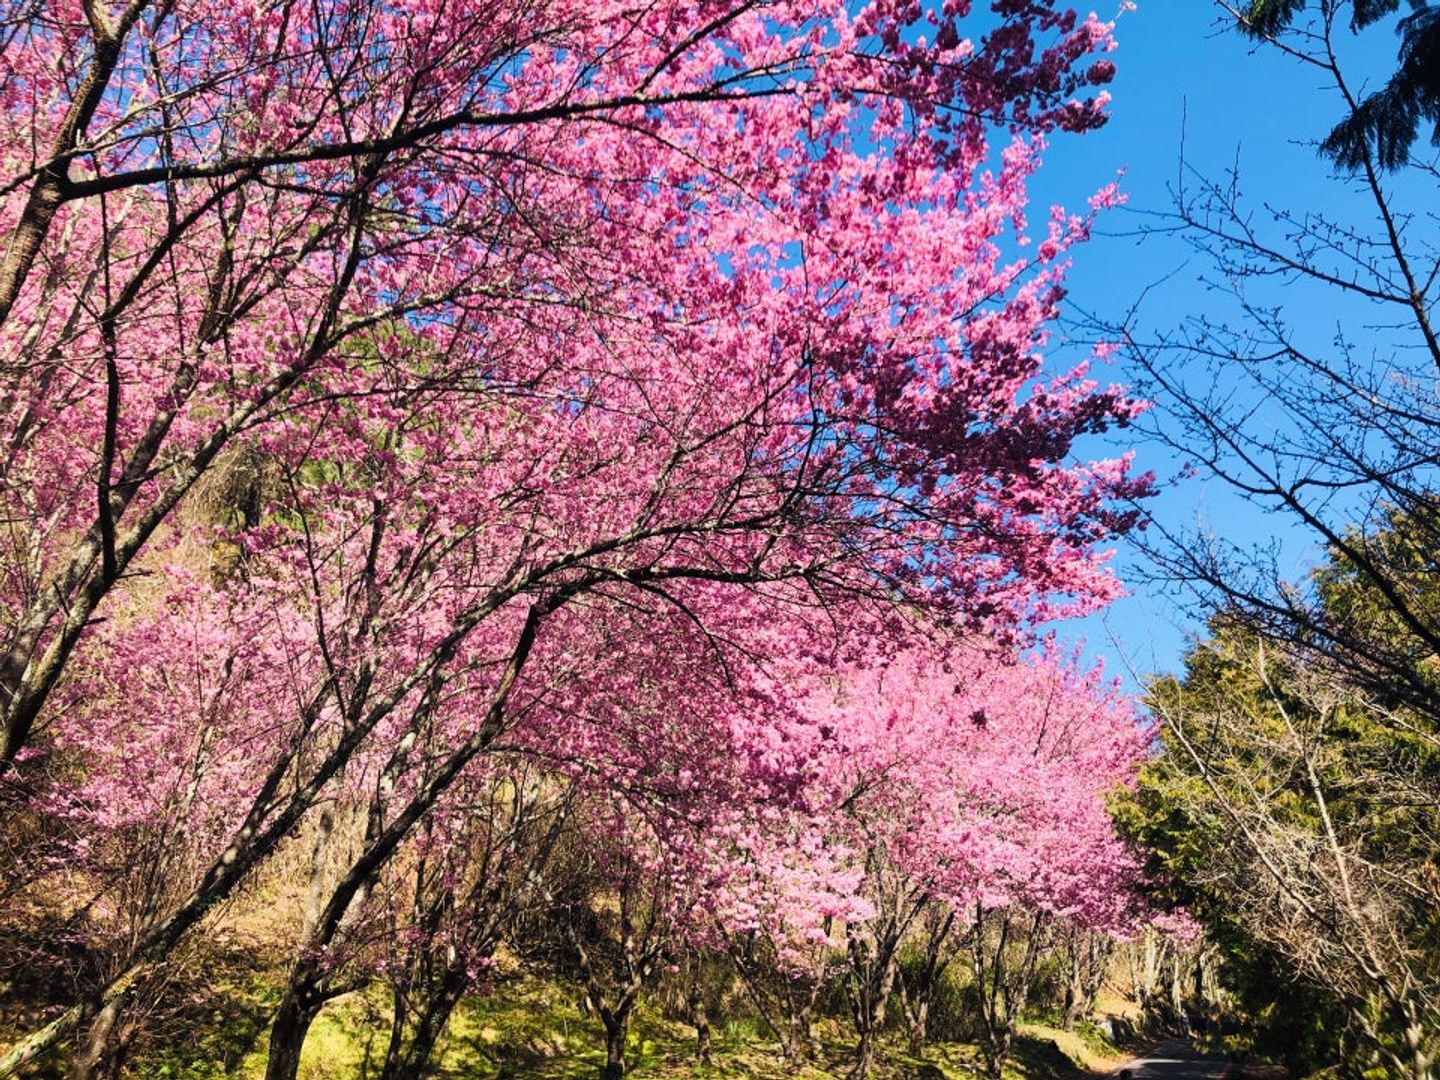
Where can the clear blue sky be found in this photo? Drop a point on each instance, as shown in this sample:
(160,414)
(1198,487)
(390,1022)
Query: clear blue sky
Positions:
(1180,71)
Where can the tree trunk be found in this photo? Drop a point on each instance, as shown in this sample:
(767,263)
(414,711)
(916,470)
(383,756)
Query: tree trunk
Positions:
(407,1059)
(919,1022)
(1004,980)
(802,1028)
(399,1012)
(1072,1010)
(864,1056)
(874,997)
(617,1027)
(1177,994)
(915,997)
(701,1020)
(795,1036)
(99,1043)
(997,1050)
(119,1048)
(918,991)
(287,1033)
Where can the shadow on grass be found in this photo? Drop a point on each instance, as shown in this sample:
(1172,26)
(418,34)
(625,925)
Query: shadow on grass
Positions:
(532,1029)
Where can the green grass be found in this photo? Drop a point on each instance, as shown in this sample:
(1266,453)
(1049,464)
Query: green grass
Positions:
(1086,1046)
(531,1029)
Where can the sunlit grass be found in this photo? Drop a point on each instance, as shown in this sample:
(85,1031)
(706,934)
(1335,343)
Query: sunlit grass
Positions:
(532,1029)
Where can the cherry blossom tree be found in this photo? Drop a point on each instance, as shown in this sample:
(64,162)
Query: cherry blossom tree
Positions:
(474,866)
(970,781)
(623,924)
(980,784)
(659,782)
(211,209)
(503,319)
(152,779)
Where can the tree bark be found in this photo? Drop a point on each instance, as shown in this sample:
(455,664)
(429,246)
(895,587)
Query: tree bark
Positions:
(864,1056)
(916,995)
(408,1059)
(919,1023)
(617,1028)
(99,1044)
(50,187)
(287,1033)
(701,1020)
(874,998)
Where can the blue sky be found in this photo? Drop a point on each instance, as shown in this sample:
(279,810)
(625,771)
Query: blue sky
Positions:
(1182,73)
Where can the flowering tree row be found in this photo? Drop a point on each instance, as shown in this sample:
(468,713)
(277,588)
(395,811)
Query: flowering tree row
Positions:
(459,379)
(655,806)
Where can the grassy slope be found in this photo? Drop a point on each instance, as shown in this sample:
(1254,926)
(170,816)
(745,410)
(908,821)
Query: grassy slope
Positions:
(534,1030)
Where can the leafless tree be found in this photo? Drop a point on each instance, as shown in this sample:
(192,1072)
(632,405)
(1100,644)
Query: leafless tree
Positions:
(1333,427)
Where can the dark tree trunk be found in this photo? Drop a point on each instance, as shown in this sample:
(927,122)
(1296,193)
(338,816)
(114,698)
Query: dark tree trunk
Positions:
(99,1045)
(1004,981)
(287,1033)
(916,994)
(798,1041)
(399,1014)
(408,1058)
(119,1050)
(701,1019)
(795,1037)
(997,1049)
(1072,1009)
(617,1028)
(919,1022)
(873,997)
(864,1056)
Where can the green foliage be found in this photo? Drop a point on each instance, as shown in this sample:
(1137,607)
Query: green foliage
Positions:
(1095,1040)
(1381,128)
(1297,814)
(219,1034)
(1269,17)
(954,1010)
(1047,992)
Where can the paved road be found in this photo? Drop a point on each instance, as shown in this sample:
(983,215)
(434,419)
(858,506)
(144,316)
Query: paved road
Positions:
(1177,1060)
